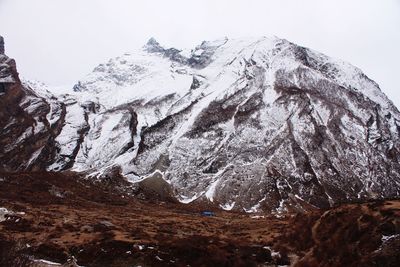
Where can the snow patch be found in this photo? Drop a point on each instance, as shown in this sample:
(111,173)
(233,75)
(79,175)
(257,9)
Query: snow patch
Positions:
(228,206)
(3,213)
(211,190)
(51,263)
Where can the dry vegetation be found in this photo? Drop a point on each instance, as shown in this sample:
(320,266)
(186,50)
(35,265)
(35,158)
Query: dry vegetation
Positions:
(64,218)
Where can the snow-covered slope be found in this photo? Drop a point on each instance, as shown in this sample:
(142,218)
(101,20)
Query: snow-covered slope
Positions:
(244,123)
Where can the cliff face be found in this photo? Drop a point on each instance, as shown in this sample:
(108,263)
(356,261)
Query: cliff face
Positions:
(2,51)
(260,124)
(29,121)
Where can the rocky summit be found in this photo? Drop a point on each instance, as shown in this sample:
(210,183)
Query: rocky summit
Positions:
(242,124)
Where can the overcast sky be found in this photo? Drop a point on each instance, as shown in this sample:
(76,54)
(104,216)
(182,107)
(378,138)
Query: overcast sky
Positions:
(59,41)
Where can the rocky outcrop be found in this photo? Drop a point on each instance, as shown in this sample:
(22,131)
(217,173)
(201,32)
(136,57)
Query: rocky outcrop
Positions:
(363,234)
(2,45)
(29,122)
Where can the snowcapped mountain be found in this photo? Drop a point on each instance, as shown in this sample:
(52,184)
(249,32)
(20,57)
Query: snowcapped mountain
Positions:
(254,124)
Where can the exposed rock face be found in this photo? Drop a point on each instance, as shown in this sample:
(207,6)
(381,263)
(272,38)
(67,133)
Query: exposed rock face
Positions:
(1,45)
(246,124)
(29,121)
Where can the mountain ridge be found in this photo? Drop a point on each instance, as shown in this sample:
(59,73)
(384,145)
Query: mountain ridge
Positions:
(259,124)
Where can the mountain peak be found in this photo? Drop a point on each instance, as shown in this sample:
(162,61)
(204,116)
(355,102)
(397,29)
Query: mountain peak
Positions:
(153,46)
(152,42)
(328,133)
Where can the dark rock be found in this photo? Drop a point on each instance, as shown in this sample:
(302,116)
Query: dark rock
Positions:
(153,46)
(2,51)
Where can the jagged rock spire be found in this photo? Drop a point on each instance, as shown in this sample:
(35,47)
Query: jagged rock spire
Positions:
(1,45)
(153,46)
(152,42)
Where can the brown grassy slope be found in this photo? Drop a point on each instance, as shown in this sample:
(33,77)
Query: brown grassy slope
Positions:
(103,224)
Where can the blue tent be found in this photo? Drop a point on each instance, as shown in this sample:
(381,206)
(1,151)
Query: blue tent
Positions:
(208,213)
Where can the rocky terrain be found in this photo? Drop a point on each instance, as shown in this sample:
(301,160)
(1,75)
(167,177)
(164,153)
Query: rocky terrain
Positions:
(67,220)
(29,121)
(247,124)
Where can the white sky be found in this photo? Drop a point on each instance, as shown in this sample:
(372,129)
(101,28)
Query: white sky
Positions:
(59,41)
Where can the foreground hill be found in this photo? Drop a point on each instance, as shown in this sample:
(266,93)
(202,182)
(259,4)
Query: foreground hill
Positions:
(53,219)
